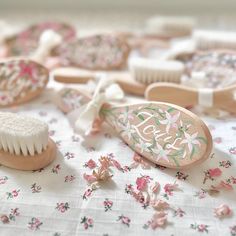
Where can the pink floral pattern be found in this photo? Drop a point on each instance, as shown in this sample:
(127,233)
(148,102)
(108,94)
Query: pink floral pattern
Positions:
(140,194)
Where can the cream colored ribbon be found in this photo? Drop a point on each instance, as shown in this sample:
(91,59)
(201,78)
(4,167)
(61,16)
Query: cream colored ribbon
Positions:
(106,91)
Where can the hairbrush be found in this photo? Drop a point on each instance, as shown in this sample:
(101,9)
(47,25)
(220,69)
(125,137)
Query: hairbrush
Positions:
(24,142)
(96,52)
(186,96)
(25,42)
(164,133)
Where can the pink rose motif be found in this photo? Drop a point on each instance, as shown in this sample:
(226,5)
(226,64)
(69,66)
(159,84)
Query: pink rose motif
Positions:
(90,221)
(222,211)
(201,228)
(125,220)
(15,193)
(142,182)
(159,219)
(159,204)
(91,164)
(216,172)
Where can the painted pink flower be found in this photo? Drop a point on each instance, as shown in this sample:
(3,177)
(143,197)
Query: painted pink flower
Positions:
(141,183)
(159,219)
(15,193)
(91,164)
(232,150)
(201,228)
(159,204)
(216,172)
(170,121)
(222,211)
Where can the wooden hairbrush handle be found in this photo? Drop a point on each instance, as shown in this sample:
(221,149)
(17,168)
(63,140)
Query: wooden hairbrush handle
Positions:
(185,96)
(125,80)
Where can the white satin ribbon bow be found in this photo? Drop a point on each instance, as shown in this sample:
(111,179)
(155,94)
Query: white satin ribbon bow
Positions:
(106,91)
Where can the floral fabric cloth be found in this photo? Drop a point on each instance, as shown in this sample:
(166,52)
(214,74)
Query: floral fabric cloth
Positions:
(61,201)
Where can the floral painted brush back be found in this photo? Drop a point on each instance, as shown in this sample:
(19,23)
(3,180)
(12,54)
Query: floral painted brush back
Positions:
(161,132)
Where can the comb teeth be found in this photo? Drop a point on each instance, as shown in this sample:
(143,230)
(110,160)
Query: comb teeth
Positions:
(147,71)
(21,135)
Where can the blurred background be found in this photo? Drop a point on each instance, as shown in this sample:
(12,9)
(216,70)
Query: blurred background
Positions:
(118,15)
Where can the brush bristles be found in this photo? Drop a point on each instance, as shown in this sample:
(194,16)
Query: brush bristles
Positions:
(22,135)
(170,26)
(206,40)
(147,71)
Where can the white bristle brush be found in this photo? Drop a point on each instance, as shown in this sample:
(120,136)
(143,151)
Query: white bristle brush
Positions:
(170,26)
(147,71)
(207,40)
(24,142)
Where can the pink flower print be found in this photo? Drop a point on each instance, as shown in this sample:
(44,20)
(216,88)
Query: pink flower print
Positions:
(181,176)
(3,179)
(232,150)
(69,178)
(34,224)
(124,220)
(36,188)
(129,188)
(200,227)
(69,155)
(233,180)
(91,164)
(190,140)
(225,163)
(86,222)
(222,211)
(159,204)
(4,219)
(217,140)
(179,212)
(56,169)
(210,174)
(233,230)
(142,182)
(170,121)
(13,194)
(107,204)
(87,193)
(26,70)
(14,212)
(216,172)
(62,207)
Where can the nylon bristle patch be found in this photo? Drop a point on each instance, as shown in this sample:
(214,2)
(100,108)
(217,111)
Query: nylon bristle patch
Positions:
(147,71)
(22,135)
